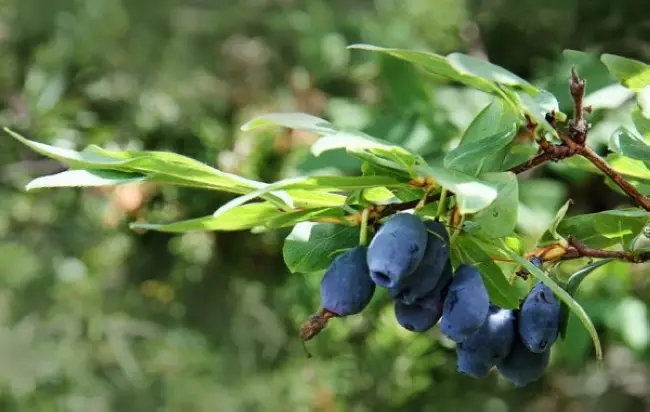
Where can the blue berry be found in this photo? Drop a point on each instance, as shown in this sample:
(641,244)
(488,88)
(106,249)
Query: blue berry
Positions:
(397,249)
(489,345)
(346,288)
(428,273)
(466,305)
(539,319)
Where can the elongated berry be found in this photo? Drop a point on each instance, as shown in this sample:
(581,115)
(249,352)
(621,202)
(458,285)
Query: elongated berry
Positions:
(489,345)
(466,305)
(521,366)
(539,319)
(346,288)
(415,317)
(397,249)
(428,273)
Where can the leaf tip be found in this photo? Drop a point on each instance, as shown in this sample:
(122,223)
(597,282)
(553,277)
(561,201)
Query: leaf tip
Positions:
(141,226)
(362,46)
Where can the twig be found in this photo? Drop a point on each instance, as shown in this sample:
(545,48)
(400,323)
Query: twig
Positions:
(557,152)
(578,127)
(574,142)
(640,199)
(577,249)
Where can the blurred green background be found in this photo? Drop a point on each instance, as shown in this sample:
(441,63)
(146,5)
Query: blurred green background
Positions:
(95,317)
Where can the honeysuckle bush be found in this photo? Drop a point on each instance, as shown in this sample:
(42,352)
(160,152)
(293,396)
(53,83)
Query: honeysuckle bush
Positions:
(473,188)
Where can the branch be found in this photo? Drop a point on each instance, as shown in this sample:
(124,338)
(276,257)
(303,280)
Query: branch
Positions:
(640,199)
(577,249)
(554,154)
(574,142)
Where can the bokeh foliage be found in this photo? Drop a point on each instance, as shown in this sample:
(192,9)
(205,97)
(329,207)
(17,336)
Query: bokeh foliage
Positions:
(96,317)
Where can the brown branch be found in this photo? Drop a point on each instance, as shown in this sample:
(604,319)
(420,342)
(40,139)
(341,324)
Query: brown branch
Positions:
(577,249)
(553,153)
(640,199)
(574,142)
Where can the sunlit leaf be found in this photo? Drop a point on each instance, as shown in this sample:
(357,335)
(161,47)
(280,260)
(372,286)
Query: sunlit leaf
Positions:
(243,217)
(632,73)
(84,178)
(472,194)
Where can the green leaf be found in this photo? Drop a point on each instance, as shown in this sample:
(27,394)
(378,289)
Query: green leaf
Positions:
(310,247)
(603,229)
(472,194)
(314,183)
(486,142)
(552,230)
(572,287)
(501,292)
(500,218)
(434,64)
(472,66)
(301,121)
(628,144)
(84,178)
(562,294)
(498,116)
(313,198)
(641,122)
(243,217)
(632,73)
(485,155)
(627,166)
(518,154)
(537,107)
(158,166)
(290,219)
(643,101)
(354,142)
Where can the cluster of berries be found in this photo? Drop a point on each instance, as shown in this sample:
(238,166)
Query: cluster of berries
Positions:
(410,258)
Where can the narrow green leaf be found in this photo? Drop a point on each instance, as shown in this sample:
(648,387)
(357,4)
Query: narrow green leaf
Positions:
(158,166)
(315,183)
(292,218)
(500,218)
(434,64)
(562,294)
(314,198)
(580,275)
(333,138)
(572,287)
(501,292)
(311,247)
(552,230)
(472,194)
(476,67)
(71,157)
(632,73)
(84,178)
(301,121)
(241,218)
